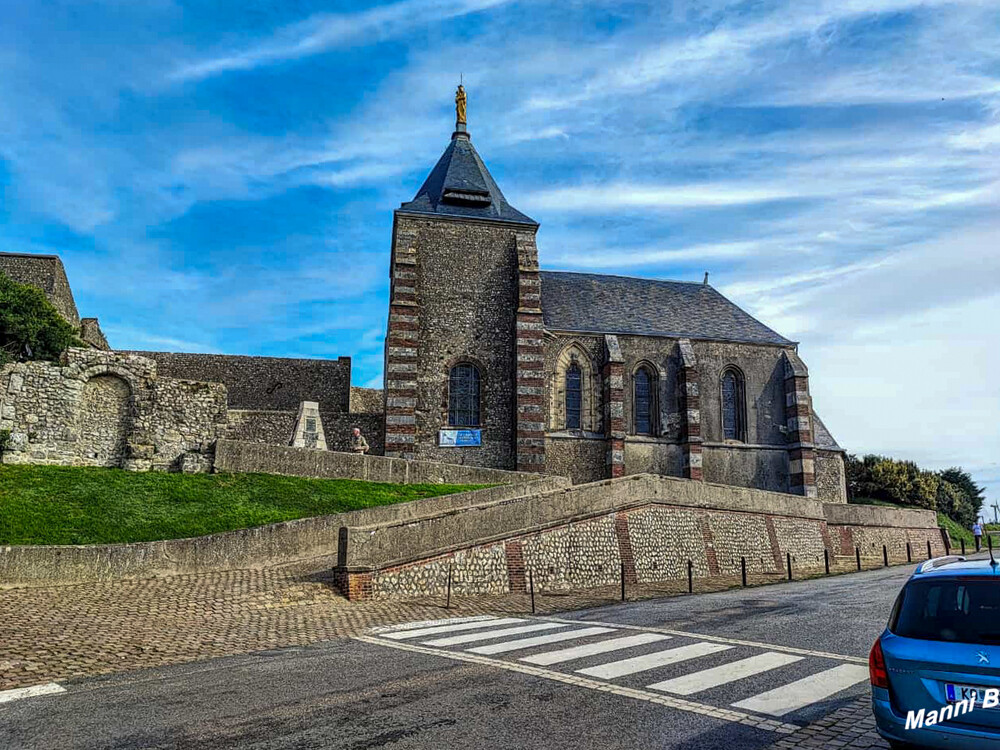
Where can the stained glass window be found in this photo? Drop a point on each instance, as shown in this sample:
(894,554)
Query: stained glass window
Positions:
(732,406)
(574,397)
(643,402)
(463,396)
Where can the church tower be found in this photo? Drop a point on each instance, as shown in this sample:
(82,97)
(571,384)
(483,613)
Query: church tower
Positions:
(463,350)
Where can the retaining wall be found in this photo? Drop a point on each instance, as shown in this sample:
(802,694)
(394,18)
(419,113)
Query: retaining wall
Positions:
(580,537)
(258,547)
(244,457)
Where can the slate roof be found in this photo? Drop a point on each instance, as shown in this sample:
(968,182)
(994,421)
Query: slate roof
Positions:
(822,437)
(461,185)
(598,303)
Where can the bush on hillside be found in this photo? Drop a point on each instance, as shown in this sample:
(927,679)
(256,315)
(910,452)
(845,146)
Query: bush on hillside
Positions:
(30,327)
(951,492)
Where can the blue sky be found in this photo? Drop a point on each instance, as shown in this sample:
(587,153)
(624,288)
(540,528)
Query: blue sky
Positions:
(220,177)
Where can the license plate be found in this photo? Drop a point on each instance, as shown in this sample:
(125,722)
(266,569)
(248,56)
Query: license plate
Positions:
(955,693)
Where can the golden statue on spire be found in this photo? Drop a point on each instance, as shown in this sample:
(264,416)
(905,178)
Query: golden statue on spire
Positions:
(460,105)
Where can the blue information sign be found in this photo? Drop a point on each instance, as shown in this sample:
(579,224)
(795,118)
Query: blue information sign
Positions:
(459,438)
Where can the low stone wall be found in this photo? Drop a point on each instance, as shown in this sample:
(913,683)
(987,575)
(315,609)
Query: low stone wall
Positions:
(244,457)
(579,537)
(258,547)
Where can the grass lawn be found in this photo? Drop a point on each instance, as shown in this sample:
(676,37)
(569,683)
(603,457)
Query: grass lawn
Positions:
(63,505)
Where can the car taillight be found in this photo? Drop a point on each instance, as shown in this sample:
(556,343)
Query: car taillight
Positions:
(876,666)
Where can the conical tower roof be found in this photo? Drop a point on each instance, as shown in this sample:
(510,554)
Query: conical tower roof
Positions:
(461,185)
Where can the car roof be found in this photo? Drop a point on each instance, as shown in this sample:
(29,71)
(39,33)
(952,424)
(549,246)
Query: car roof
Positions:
(955,566)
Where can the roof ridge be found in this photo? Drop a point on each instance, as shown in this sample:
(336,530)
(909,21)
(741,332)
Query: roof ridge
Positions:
(633,278)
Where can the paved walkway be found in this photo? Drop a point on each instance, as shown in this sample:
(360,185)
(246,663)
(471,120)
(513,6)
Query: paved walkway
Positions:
(56,633)
(849,728)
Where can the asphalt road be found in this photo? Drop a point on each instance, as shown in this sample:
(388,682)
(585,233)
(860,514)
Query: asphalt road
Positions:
(377,693)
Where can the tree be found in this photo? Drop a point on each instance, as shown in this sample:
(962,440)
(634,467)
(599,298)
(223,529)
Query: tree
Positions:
(974,495)
(30,327)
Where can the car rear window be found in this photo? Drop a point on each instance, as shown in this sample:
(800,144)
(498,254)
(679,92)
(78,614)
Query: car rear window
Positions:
(962,610)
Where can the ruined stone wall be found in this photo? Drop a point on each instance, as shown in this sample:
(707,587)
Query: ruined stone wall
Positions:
(43,272)
(100,408)
(264,383)
(466,302)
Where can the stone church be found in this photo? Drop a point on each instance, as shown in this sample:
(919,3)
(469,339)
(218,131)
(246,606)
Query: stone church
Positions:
(489,361)
(586,375)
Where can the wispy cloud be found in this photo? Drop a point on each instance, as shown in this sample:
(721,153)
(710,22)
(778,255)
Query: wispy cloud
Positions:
(323,32)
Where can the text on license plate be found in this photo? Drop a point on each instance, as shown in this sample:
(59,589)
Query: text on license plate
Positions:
(954,693)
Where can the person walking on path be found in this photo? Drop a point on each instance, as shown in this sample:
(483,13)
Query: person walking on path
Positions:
(358,443)
(977,532)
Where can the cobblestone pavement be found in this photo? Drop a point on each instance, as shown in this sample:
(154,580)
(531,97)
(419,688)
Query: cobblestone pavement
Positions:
(59,632)
(849,728)
(56,633)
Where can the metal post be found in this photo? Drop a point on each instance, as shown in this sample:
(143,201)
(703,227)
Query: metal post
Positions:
(623,581)
(989,543)
(963,548)
(826,560)
(531,588)
(788,562)
(690,577)
(909,553)
(743,569)
(448,604)
(857,555)
(885,556)
(929,553)
(947,544)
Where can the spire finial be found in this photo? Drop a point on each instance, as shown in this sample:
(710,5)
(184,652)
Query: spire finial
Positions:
(460,99)
(705,282)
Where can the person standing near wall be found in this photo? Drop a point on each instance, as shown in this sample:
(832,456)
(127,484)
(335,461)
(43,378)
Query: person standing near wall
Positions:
(358,443)
(977,532)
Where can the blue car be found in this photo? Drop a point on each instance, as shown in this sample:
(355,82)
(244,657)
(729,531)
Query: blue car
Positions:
(936,666)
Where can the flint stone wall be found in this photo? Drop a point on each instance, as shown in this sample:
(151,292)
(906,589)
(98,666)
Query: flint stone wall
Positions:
(98,408)
(579,537)
(265,383)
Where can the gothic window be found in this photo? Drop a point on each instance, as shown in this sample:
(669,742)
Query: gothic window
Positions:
(463,396)
(644,401)
(733,406)
(574,396)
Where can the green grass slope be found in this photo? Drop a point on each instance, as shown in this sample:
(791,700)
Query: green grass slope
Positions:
(64,505)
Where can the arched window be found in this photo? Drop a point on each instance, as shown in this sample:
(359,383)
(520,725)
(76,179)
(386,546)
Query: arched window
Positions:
(644,401)
(733,406)
(574,396)
(463,396)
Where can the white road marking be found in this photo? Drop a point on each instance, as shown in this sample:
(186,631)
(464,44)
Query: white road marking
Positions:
(456,640)
(592,649)
(477,625)
(427,624)
(49,688)
(737,670)
(800,693)
(720,639)
(538,640)
(723,714)
(611,670)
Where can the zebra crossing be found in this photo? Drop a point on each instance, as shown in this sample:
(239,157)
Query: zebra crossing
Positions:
(763,685)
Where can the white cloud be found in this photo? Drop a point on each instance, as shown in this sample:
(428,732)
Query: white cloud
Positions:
(327,31)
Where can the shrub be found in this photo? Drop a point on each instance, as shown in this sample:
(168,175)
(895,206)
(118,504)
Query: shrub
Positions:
(30,327)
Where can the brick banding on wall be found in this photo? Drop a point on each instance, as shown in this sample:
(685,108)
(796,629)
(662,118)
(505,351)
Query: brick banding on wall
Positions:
(614,406)
(798,421)
(516,573)
(625,547)
(530,358)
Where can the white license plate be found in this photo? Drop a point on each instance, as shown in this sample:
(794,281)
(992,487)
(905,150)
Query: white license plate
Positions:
(954,693)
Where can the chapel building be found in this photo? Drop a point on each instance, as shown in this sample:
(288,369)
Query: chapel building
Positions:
(586,375)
